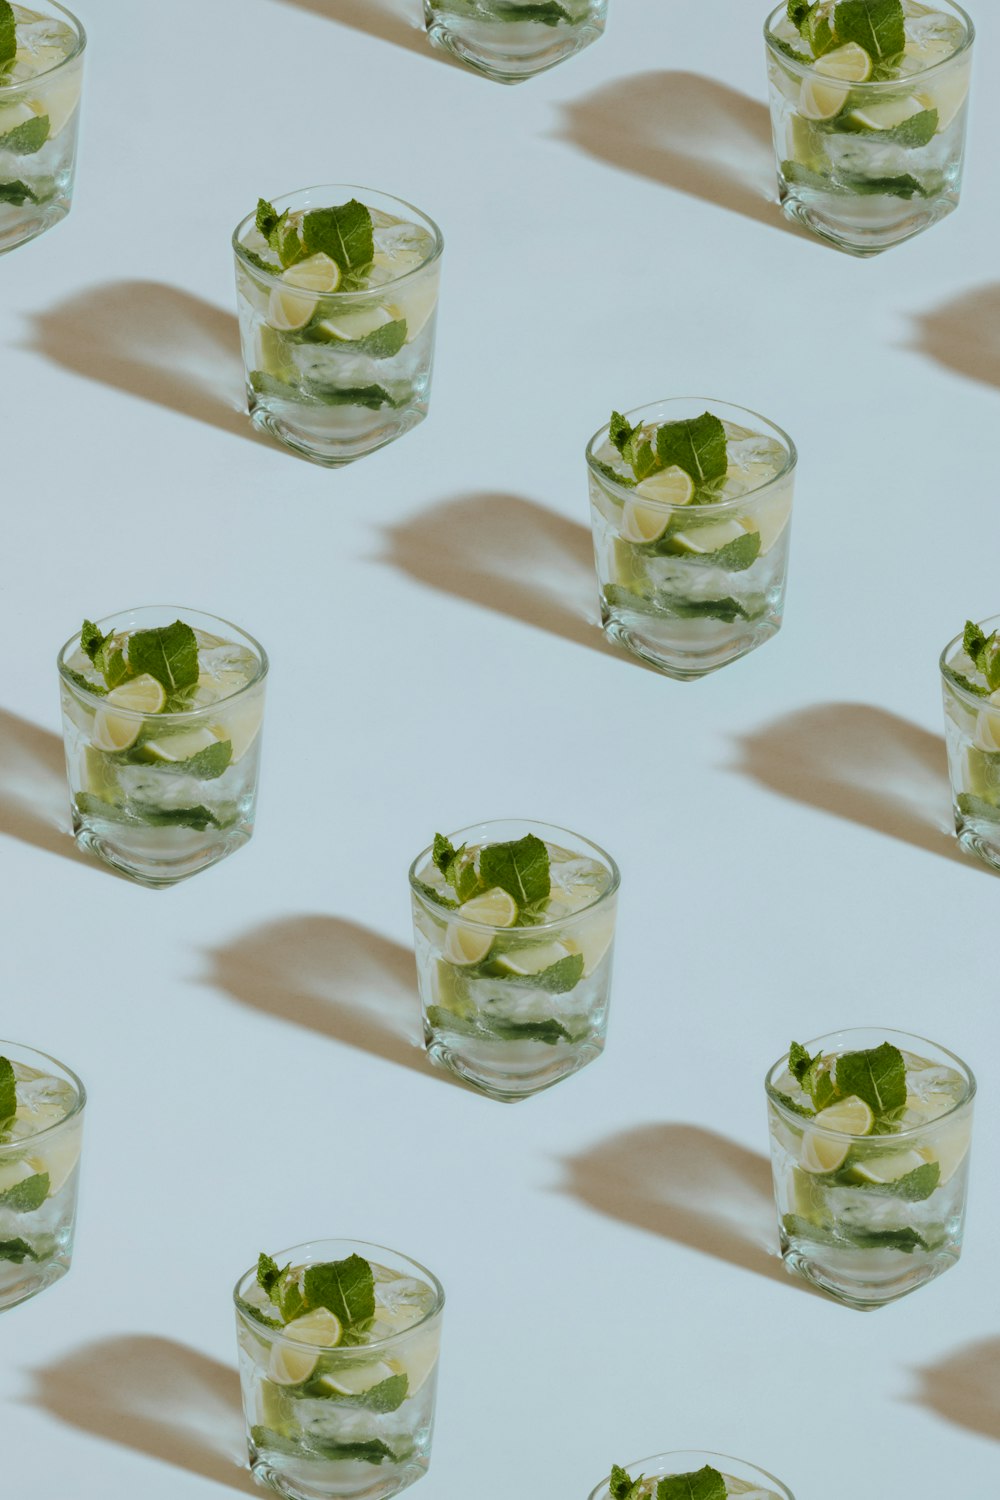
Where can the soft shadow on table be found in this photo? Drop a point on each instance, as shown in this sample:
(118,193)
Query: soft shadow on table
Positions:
(964,334)
(397,21)
(964,1388)
(330,976)
(692,134)
(153,341)
(156,1397)
(689,1185)
(862,764)
(34,801)
(507,554)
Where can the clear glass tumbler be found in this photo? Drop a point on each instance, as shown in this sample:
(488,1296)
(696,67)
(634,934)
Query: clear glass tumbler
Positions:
(40,82)
(342,1420)
(738,1477)
(972,732)
(513,1009)
(337,374)
(162,794)
(688,588)
(39,1168)
(870,1217)
(510,40)
(866,164)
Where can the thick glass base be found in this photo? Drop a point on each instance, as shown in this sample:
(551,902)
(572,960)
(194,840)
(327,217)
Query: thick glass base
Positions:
(380,1481)
(861,225)
(523,1074)
(866,1279)
(980,839)
(18,225)
(149,859)
(475,45)
(332,440)
(685,649)
(18,1283)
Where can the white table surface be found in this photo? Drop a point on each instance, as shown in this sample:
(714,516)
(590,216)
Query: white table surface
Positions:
(248,1038)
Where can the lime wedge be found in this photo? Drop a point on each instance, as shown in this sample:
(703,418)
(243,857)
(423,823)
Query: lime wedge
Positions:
(823,1153)
(819,100)
(709,538)
(882,1169)
(851,1116)
(886,116)
(288,1366)
(988,730)
(11,1173)
(58,1159)
(143,695)
(354,1379)
(115,732)
(241,726)
(495,908)
(469,945)
(592,938)
(177,747)
(949,1147)
(647,523)
(416,305)
(355,325)
(532,960)
(292,309)
(851,64)
(420,1356)
(670,487)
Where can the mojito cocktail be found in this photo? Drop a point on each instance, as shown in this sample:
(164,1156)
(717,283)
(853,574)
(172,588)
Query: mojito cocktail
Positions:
(339,1347)
(162,712)
(337,290)
(870,1138)
(970,678)
(41,73)
(868,107)
(690,507)
(514,926)
(41,1131)
(690,1476)
(510,40)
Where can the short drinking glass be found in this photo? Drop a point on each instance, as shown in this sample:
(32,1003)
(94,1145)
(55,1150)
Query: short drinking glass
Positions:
(869,121)
(510,40)
(339,1403)
(337,290)
(163,764)
(41,1132)
(41,73)
(691,504)
(514,926)
(870,1138)
(694,1474)
(972,732)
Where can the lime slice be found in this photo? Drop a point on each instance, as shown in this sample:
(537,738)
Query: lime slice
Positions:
(416,306)
(419,1360)
(293,308)
(882,1169)
(177,747)
(355,325)
(12,115)
(670,487)
(647,523)
(592,938)
(59,102)
(532,960)
(495,908)
(886,116)
(241,726)
(469,945)
(355,1379)
(822,1153)
(115,732)
(770,515)
(709,538)
(58,1159)
(13,1172)
(850,64)
(948,1147)
(988,730)
(819,100)
(851,1116)
(291,1366)
(946,95)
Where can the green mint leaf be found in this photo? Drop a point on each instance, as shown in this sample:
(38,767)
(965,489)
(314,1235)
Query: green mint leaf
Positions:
(704,1484)
(727,609)
(150,815)
(267,218)
(977,807)
(800,1061)
(966,683)
(288,1296)
(24,1197)
(912,133)
(876,25)
(792,1104)
(17,1251)
(913,1187)
(787,50)
(170,654)
(818,31)
(8,1092)
(820,1086)
(387,1396)
(17,193)
(26,139)
(382,343)
(446,857)
(493,1028)
(433,895)
(92,638)
(255,1314)
(621,431)
(798,10)
(878,1076)
(273,268)
(734,557)
(8,33)
(345,1287)
(973,640)
(206,765)
(698,446)
(312,391)
(904,186)
(558,979)
(989,663)
(521,868)
(856,1237)
(286,242)
(343,233)
(622,1487)
(373,1451)
(267,1272)
(607,472)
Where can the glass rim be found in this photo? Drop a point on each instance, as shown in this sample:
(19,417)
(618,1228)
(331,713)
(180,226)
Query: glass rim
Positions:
(270,278)
(602,1490)
(882,84)
(26,1142)
(713,507)
(100,700)
(532,823)
(975,700)
(246,1311)
(78,49)
(888,1034)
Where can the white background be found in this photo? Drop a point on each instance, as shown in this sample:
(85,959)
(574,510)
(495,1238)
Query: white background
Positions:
(248,1038)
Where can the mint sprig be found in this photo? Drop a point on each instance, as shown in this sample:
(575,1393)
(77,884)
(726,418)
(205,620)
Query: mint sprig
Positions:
(345,1287)
(457,867)
(344,233)
(26,1196)
(493,1028)
(521,868)
(984,652)
(879,26)
(622,1486)
(8,1092)
(27,138)
(877,1075)
(170,654)
(17,193)
(387,1396)
(697,445)
(8,34)
(703,1484)
(17,1251)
